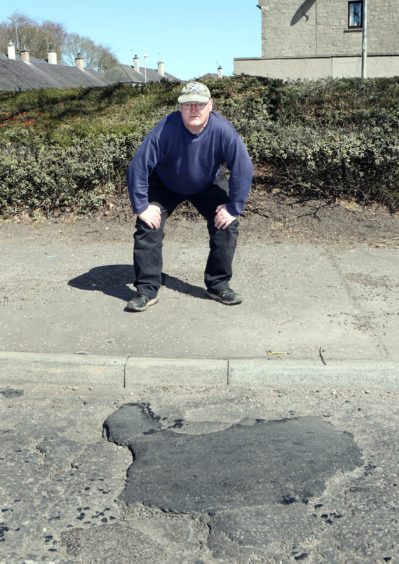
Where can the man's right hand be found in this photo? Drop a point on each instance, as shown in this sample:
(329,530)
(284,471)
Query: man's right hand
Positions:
(151,216)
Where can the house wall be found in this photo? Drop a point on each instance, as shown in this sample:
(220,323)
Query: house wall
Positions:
(300,28)
(312,68)
(311,39)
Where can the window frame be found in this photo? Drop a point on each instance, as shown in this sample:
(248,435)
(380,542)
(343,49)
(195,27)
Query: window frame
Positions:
(351,4)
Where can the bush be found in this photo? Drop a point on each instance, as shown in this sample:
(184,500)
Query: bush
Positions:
(331,163)
(67,150)
(36,175)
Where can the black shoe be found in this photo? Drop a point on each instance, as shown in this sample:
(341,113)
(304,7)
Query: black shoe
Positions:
(140,302)
(226,296)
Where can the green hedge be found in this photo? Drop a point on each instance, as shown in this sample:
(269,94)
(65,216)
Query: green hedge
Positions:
(49,177)
(67,151)
(331,164)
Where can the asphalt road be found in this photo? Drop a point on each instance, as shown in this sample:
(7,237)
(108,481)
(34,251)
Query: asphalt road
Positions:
(318,484)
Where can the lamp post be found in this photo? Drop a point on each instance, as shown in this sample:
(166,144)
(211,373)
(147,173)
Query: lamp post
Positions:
(145,68)
(364,41)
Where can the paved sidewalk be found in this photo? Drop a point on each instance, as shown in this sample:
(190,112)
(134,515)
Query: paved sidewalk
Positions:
(302,302)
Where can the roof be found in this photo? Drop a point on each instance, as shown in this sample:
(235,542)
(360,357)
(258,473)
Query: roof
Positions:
(126,73)
(18,75)
(209,76)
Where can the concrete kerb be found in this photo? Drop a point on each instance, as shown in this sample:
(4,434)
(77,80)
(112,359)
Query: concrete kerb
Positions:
(176,371)
(62,369)
(313,374)
(118,371)
(129,372)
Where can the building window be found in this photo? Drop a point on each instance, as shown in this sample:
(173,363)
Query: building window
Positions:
(355,15)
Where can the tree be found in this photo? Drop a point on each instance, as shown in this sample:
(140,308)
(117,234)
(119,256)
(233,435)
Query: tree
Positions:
(97,57)
(25,33)
(55,35)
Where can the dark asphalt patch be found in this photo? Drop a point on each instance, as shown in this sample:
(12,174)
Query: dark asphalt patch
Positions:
(129,421)
(281,462)
(11,393)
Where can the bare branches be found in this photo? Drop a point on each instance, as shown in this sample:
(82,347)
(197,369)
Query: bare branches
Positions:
(39,37)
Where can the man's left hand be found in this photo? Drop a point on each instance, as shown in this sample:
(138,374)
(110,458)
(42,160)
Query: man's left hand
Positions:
(223,218)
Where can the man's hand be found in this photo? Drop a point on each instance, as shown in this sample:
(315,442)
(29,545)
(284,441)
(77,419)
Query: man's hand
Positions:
(223,218)
(151,216)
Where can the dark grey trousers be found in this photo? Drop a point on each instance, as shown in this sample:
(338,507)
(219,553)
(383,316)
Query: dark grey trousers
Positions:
(147,253)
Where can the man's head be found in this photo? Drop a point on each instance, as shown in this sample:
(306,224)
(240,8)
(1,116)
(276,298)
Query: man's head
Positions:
(195,104)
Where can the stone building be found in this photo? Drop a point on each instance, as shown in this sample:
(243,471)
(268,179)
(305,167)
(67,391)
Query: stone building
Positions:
(310,39)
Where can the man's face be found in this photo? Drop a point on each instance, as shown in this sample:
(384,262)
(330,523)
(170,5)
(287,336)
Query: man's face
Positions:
(195,115)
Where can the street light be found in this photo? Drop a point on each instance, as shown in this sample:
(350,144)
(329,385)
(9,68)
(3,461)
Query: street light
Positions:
(145,68)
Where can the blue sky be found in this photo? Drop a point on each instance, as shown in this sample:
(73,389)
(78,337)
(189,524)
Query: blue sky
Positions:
(192,38)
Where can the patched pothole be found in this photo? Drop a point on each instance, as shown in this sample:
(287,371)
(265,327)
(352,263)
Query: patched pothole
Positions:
(261,462)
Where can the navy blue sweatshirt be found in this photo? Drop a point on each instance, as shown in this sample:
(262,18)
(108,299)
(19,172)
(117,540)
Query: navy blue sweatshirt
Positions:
(187,163)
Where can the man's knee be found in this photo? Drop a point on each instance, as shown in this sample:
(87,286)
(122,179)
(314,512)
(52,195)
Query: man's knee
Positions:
(146,235)
(231,230)
(233,227)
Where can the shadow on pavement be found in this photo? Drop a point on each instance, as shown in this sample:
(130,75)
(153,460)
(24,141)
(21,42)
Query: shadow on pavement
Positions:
(173,283)
(114,280)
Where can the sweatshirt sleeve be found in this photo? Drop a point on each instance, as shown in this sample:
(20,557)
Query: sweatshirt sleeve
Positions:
(140,168)
(241,172)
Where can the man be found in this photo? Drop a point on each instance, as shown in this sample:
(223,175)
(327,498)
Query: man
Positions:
(181,159)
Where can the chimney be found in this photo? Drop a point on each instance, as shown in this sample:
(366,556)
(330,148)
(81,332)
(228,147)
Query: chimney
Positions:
(25,55)
(51,56)
(136,63)
(79,61)
(11,51)
(220,72)
(161,69)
